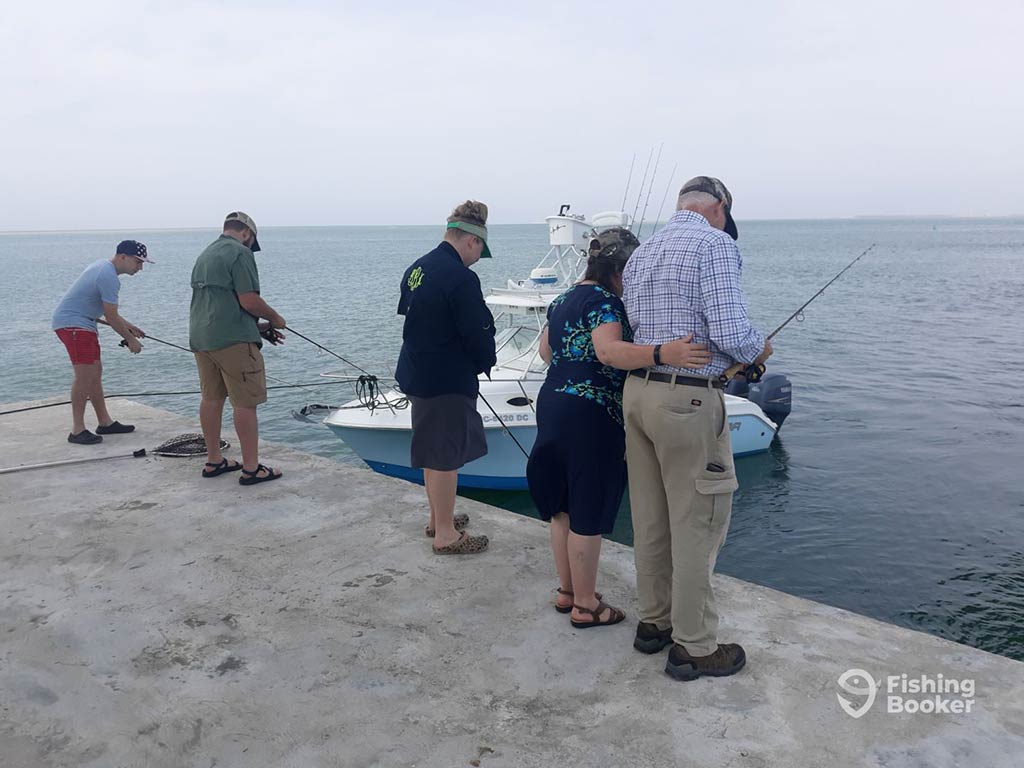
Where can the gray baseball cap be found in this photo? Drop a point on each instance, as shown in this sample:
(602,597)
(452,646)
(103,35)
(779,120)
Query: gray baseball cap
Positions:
(246,219)
(715,188)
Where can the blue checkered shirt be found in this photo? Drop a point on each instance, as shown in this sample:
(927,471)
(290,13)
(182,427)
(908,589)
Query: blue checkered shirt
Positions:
(686,279)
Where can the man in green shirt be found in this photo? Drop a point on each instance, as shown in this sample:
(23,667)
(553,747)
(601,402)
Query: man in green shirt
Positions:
(224,333)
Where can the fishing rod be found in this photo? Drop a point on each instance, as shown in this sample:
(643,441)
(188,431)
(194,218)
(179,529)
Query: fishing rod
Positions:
(650,189)
(643,181)
(124,342)
(665,196)
(270,334)
(628,180)
(503,425)
(752,372)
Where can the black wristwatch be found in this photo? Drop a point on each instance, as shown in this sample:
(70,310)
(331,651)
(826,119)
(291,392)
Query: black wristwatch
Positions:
(657,354)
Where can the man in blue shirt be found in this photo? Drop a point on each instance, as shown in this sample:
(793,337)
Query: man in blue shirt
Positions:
(685,280)
(92,295)
(447,341)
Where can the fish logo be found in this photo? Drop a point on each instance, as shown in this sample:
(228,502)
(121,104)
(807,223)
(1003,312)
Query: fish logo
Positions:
(415,279)
(869,689)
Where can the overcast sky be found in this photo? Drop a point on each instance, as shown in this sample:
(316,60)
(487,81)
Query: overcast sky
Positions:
(170,114)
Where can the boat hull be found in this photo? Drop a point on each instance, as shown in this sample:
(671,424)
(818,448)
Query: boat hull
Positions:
(383,440)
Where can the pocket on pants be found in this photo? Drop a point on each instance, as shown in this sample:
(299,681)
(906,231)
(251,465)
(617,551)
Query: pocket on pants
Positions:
(719,486)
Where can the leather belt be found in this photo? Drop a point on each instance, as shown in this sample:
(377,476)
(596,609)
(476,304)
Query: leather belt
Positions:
(676,378)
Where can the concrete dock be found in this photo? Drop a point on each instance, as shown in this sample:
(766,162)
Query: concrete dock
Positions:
(149,617)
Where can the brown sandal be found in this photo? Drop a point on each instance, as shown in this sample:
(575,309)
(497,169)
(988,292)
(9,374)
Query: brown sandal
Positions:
(461,520)
(567,593)
(614,617)
(466,545)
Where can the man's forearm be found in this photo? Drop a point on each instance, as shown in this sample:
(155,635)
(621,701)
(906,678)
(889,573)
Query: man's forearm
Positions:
(259,309)
(120,325)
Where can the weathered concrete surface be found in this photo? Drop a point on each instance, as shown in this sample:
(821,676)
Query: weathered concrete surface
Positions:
(149,617)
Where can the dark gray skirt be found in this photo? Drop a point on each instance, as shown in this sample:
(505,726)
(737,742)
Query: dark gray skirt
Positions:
(447,432)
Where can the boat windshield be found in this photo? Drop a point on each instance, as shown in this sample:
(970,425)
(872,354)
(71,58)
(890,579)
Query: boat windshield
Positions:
(518,349)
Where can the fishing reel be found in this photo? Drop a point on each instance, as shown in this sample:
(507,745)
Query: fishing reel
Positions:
(753,373)
(272,335)
(750,373)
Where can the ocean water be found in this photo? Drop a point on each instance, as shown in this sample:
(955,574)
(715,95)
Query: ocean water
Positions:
(896,488)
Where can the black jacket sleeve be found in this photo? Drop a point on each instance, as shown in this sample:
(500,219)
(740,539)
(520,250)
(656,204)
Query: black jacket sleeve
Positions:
(404,294)
(474,322)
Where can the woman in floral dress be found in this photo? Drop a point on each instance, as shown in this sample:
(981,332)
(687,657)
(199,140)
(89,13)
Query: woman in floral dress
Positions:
(577,469)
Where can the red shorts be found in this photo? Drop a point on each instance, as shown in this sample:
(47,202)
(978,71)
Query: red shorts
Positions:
(83,345)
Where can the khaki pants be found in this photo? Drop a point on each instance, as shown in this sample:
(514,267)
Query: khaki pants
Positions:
(681,506)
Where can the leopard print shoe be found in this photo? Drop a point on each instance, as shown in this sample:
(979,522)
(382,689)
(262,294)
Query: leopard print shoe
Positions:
(466,545)
(461,521)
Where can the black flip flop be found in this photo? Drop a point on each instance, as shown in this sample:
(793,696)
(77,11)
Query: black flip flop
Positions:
(221,468)
(115,428)
(85,437)
(251,478)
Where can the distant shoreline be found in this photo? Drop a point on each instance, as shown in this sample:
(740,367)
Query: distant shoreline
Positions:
(933,217)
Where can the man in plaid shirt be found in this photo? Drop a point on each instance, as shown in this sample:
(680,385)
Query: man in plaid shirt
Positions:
(685,279)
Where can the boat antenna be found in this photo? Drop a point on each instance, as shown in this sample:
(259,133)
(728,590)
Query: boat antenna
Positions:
(643,181)
(650,187)
(628,180)
(665,196)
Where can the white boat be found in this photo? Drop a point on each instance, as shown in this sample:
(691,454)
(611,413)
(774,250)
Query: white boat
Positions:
(381,436)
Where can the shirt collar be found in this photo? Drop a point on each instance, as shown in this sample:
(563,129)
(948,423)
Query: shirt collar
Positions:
(448,248)
(689,217)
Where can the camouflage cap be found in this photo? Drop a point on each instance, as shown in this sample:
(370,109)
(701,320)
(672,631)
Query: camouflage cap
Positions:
(714,187)
(615,244)
(246,219)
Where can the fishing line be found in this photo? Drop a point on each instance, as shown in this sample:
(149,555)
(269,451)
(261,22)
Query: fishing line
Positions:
(325,349)
(188,392)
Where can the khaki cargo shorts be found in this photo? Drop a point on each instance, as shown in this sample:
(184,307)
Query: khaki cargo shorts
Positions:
(235,372)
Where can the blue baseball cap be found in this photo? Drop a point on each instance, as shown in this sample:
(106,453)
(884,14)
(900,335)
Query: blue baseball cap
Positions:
(134,248)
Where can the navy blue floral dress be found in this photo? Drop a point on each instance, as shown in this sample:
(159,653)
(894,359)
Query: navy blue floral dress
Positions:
(578,464)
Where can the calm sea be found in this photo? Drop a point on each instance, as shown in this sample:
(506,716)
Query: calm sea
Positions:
(896,488)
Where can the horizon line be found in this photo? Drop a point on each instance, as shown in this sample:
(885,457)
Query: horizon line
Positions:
(854,217)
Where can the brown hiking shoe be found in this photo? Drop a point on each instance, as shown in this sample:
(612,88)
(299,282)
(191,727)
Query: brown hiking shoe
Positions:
(650,639)
(727,660)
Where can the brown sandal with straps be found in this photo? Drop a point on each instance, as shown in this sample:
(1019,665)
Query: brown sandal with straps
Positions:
(568,593)
(614,616)
(466,545)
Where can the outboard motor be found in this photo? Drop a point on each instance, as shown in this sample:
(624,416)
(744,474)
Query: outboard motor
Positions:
(773,394)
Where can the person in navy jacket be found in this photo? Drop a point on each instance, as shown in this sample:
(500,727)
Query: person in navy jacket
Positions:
(447,341)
